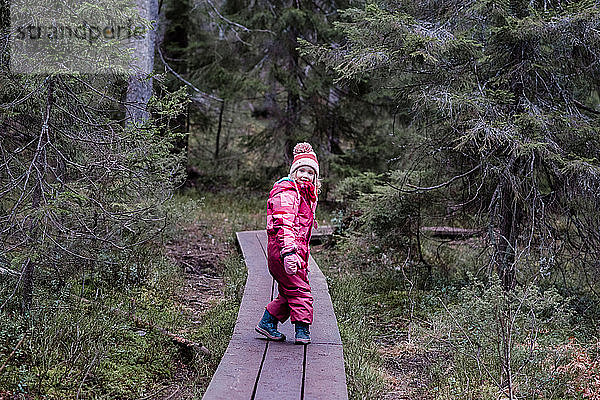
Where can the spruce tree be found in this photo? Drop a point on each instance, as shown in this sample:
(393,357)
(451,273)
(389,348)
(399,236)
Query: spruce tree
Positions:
(80,189)
(504,96)
(246,53)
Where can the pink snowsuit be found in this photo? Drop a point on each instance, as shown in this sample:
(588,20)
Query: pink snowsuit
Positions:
(290,219)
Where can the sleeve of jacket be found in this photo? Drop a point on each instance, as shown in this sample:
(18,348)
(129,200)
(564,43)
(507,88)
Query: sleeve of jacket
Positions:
(282,209)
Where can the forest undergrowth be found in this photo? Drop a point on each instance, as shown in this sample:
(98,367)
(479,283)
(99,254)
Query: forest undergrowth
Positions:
(405,337)
(84,339)
(454,337)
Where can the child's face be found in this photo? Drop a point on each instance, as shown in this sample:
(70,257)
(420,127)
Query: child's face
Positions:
(304,174)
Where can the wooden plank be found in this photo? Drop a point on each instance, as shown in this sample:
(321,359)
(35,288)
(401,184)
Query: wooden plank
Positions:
(236,375)
(258,289)
(281,375)
(262,238)
(253,252)
(325,375)
(324,329)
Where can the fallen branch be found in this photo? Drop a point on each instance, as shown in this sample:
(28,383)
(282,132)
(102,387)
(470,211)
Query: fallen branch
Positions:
(140,323)
(6,271)
(449,231)
(586,108)
(12,353)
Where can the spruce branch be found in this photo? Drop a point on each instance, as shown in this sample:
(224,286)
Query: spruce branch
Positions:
(182,79)
(416,189)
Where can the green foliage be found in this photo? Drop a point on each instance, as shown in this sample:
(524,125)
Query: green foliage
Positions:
(360,355)
(83,210)
(380,226)
(91,191)
(73,347)
(170,105)
(502,101)
(352,187)
(496,335)
(389,215)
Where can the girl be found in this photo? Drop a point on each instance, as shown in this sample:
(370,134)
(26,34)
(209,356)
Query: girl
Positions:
(290,219)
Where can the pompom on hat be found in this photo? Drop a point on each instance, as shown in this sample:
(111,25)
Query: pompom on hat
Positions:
(304,156)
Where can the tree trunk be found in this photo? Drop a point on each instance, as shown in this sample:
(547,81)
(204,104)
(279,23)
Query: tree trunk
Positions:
(39,176)
(139,88)
(218,139)
(510,215)
(175,24)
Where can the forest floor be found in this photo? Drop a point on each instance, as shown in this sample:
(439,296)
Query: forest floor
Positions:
(200,257)
(201,250)
(405,369)
(204,249)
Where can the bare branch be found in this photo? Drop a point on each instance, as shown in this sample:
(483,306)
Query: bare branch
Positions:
(230,22)
(6,271)
(441,185)
(194,88)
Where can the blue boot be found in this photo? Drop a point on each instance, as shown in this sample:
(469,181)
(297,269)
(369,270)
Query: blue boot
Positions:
(302,333)
(268,327)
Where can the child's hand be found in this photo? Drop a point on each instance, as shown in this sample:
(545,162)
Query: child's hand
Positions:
(291,263)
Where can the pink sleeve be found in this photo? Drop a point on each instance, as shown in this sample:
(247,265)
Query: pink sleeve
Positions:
(282,209)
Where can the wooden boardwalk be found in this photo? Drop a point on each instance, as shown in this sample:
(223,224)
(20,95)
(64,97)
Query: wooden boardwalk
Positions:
(254,368)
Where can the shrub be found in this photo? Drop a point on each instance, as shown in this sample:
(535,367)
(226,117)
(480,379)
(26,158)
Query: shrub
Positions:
(582,370)
(501,342)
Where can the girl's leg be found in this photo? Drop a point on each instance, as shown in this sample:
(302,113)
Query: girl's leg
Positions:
(279,308)
(295,297)
(298,293)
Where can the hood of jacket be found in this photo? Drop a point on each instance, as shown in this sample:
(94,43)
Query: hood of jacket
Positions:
(282,185)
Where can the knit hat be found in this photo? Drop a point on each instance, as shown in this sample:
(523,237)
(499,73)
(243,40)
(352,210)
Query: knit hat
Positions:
(304,156)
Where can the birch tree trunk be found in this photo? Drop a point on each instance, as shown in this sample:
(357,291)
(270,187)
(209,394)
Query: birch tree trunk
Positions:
(4,32)
(139,88)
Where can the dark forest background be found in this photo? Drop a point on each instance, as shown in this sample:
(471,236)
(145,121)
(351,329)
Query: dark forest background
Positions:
(459,148)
